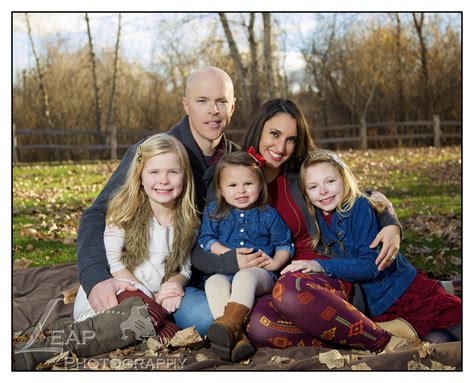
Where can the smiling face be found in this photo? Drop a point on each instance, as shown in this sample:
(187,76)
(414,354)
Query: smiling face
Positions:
(278,140)
(163,179)
(239,186)
(324,186)
(209,103)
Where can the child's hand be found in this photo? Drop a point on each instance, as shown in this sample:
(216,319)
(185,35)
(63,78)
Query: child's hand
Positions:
(247,258)
(271,264)
(171,304)
(169,290)
(305,266)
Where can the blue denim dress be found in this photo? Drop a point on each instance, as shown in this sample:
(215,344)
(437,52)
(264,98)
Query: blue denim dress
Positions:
(256,228)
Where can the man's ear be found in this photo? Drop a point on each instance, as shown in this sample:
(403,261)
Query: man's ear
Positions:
(185,105)
(233,105)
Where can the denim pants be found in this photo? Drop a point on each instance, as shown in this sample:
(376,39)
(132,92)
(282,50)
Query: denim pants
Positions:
(194,311)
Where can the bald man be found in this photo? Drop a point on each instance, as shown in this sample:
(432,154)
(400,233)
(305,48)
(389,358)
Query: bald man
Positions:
(209,103)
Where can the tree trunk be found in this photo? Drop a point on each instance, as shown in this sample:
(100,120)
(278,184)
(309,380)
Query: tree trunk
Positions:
(42,86)
(94,78)
(110,123)
(425,77)
(402,116)
(254,80)
(234,52)
(267,53)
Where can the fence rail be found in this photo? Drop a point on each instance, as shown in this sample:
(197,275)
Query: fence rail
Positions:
(356,135)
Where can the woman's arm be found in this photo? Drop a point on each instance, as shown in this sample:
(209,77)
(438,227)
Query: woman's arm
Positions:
(389,235)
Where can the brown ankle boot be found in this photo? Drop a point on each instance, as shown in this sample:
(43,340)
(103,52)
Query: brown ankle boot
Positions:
(226,330)
(243,349)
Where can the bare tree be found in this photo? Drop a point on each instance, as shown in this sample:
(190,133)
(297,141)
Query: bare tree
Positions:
(254,78)
(267,53)
(42,86)
(110,123)
(425,75)
(94,77)
(241,72)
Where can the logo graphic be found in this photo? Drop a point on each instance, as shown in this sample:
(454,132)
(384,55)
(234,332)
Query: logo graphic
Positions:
(138,322)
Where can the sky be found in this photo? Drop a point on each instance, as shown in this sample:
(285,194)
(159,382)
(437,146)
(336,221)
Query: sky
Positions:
(7,28)
(140,40)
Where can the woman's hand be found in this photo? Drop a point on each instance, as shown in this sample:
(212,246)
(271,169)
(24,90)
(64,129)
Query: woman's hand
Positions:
(246,258)
(304,266)
(390,238)
(169,290)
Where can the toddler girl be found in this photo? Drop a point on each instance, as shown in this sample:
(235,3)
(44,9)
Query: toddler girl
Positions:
(241,219)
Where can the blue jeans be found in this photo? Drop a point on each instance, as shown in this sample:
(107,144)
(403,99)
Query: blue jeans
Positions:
(194,311)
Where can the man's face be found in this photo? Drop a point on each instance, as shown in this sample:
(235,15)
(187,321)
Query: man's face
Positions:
(209,103)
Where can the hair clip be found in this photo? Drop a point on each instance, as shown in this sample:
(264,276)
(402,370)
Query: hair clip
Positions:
(139,153)
(256,156)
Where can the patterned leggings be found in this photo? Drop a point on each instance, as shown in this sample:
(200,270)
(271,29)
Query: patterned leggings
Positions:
(312,310)
(164,328)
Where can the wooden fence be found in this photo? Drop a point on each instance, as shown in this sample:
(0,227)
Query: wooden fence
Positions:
(363,136)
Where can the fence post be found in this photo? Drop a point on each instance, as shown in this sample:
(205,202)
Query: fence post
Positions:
(15,153)
(113,142)
(437,130)
(363,133)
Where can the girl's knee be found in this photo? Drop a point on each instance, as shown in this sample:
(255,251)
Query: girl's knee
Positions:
(216,281)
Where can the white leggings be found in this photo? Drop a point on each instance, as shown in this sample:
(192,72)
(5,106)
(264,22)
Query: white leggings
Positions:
(246,285)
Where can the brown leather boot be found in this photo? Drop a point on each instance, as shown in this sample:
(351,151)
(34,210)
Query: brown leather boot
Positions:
(226,330)
(243,349)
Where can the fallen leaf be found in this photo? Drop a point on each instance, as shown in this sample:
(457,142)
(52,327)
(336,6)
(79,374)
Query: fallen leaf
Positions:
(413,365)
(361,367)
(332,359)
(277,359)
(153,344)
(48,364)
(426,349)
(69,241)
(201,357)
(185,337)
(439,366)
(20,264)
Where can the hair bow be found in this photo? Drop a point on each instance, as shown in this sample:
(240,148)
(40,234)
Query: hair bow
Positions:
(139,153)
(256,156)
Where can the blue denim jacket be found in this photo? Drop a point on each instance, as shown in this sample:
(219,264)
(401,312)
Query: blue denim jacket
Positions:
(258,228)
(347,240)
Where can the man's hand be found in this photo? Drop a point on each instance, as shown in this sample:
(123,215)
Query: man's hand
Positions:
(390,238)
(246,258)
(103,295)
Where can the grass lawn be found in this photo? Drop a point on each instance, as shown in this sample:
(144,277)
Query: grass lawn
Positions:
(424,185)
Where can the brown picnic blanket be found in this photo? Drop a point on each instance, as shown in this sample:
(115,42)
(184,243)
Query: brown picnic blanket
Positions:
(33,288)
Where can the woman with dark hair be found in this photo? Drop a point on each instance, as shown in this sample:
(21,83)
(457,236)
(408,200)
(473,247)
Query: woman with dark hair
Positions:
(280,134)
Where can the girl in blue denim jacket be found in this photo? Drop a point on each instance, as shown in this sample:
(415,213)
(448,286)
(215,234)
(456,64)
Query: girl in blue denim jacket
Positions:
(347,224)
(241,219)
